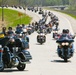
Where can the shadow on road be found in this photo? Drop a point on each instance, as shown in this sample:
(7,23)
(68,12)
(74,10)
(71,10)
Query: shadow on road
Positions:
(12,70)
(60,61)
(39,44)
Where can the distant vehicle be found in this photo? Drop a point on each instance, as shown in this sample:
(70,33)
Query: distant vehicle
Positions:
(41,38)
(20,7)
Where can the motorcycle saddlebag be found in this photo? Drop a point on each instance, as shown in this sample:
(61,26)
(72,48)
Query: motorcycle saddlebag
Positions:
(27,55)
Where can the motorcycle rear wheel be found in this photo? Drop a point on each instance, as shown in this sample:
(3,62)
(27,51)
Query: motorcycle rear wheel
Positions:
(21,67)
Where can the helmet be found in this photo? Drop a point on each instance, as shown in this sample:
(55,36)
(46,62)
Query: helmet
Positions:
(24,31)
(9,28)
(23,25)
(67,30)
(4,28)
(64,31)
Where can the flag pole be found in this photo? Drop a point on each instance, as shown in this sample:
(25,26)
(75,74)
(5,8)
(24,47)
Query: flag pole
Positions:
(20,15)
(20,19)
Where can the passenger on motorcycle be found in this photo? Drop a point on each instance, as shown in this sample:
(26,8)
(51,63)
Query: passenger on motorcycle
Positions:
(66,32)
(69,34)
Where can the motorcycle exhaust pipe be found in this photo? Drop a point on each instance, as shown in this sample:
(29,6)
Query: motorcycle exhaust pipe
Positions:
(15,61)
(26,62)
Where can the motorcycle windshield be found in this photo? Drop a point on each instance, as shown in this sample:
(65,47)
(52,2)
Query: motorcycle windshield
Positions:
(65,38)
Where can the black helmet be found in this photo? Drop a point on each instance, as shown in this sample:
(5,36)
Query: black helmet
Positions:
(23,25)
(64,31)
(18,24)
(67,30)
(9,28)
(4,28)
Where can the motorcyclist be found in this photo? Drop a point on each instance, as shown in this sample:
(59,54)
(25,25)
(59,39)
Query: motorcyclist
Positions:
(61,36)
(4,30)
(25,37)
(10,31)
(49,13)
(36,26)
(18,29)
(56,25)
(23,25)
(63,33)
(40,30)
(69,36)
(66,32)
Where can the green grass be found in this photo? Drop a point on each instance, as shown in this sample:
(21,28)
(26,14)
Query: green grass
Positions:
(71,13)
(11,18)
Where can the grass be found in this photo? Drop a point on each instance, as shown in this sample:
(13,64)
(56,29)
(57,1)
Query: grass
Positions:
(11,18)
(71,13)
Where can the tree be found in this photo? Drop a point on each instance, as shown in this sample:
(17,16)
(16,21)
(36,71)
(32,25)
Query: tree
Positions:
(72,4)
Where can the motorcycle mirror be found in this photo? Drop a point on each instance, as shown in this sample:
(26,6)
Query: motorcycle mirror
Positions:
(74,35)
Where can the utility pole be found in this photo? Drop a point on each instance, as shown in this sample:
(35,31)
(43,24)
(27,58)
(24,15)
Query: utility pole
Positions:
(2,11)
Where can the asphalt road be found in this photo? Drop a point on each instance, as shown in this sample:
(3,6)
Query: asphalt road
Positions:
(45,59)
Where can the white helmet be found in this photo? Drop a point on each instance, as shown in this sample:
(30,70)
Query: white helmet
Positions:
(25,30)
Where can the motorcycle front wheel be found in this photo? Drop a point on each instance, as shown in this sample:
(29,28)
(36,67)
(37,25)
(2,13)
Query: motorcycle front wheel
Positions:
(1,67)
(21,67)
(65,59)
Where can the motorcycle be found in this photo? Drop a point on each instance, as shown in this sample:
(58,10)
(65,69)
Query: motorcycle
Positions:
(11,55)
(40,12)
(65,48)
(56,35)
(49,30)
(41,38)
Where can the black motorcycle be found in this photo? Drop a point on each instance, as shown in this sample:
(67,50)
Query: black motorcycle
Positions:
(11,55)
(65,47)
(41,38)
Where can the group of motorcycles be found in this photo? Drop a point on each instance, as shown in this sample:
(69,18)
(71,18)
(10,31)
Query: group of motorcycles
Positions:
(65,48)
(43,28)
(14,49)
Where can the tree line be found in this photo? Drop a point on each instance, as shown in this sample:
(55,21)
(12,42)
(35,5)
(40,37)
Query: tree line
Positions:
(71,3)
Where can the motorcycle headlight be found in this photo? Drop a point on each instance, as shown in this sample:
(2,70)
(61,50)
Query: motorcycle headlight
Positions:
(12,40)
(67,43)
(16,49)
(63,44)
(0,46)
